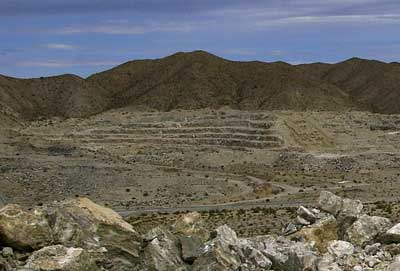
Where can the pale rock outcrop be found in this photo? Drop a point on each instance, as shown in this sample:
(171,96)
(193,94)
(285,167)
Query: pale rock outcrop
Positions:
(393,234)
(395,265)
(340,249)
(228,252)
(346,211)
(23,229)
(330,203)
(366,229)
(82,223)
(192,224)
(60,258)
(327,263)
(162,252)
(306,215)
(285,254)
(192,247)
(320,233)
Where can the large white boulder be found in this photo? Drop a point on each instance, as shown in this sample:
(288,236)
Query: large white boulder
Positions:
(60,258)
(24,230)
(367,228)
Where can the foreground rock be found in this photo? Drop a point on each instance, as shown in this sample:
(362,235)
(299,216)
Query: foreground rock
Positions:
(81,223)
(367,228)
(60,258)
(22,229)
(79,235)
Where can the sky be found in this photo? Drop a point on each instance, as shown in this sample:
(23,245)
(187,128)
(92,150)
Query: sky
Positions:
(51,37)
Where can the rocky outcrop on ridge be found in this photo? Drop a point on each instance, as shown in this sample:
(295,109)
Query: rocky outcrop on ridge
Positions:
(78,235)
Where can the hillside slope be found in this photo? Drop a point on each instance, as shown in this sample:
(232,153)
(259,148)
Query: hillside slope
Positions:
(372,85)
(198,80)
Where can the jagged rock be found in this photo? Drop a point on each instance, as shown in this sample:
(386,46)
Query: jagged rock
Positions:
(60,258)
(372,249)
(228,252)
(82,223)
(395,265)
(301,221)
(393,249)
(306,214)
(24,230)
(191,224)
(218,253)
(393,234)
(330,203)
(287,255)
(352,209)
(345,210)
(191,248)
(7,252)
(367,228)
(327,263)
(5,265)
(320,233)
(290,228)
(162,253)
(340,249)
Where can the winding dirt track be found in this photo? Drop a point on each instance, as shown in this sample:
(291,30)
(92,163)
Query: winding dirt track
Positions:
(275,201)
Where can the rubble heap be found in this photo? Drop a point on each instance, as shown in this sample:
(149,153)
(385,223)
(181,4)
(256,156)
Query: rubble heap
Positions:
(78,235)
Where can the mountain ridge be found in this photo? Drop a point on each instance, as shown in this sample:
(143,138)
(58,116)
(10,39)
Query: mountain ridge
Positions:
(199,79)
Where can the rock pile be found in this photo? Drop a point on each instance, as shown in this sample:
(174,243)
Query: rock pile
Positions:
(78,235)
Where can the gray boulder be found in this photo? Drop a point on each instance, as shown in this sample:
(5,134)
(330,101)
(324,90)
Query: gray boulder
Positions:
(191,248)
(60,258)
(393,234)
(82,223)
(395,265)
(192,224)
(287,255)
(162,253)
(340,249)
(366,229)
(228,252)
(24,230)
(327,263)
(330,203)
(306,214)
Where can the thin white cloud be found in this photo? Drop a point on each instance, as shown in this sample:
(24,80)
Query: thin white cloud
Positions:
(125,29)
(62,63)
(60,46)
(379,18)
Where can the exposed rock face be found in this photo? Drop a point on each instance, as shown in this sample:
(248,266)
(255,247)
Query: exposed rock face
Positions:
(24,230)
(191,224)
(163,252)
(192,247)
(306,215)
(81,223)
(340,249)
(393,234)
(91,238)
(60,258)
(330,203)
(321,233)
(367,228)
(228,252)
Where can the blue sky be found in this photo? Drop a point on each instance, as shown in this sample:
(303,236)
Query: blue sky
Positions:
(49,37)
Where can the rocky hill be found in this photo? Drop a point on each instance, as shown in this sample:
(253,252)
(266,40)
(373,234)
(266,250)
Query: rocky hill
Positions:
(372,85)
(79,235)
(199,80)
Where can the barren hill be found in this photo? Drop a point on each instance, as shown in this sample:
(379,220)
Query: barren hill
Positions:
(372,85)
(198,80)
